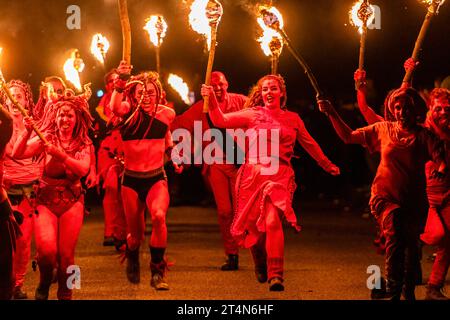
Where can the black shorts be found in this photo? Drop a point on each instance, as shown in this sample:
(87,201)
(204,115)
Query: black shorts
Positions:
(142,182)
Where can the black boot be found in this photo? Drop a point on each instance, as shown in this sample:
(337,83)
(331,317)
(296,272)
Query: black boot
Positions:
(42,292)
(133,268)
(380,293)
(158,267)
(19,294)
(231,264)
(158,280)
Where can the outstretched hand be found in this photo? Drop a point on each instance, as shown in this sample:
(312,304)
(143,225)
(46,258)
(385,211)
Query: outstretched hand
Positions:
(334,170)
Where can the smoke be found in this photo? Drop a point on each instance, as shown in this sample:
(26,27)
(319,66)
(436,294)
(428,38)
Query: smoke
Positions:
(251,6)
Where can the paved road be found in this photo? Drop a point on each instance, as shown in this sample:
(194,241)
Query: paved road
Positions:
(327,260)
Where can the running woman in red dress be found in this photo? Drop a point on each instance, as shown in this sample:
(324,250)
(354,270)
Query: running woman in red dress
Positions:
(146,140)
(60,195)
(221,177)
(266,182)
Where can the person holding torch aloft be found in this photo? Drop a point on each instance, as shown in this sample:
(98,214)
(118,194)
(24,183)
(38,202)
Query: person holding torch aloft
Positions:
(66,146)
(146,140)
(398,200)
(264,193)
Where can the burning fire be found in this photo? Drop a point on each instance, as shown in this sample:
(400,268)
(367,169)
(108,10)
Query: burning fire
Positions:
(156,27)
(270,17)
(178,84)
(271,41)
(205,13)
(72,68)
(437,4)
(359,11)
(99,47)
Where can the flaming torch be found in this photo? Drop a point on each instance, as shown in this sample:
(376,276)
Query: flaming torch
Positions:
(72,68)
(361,16)
(204,19)
(272,18)
(271,44)
(433,9)
(156,27)
(99,47)
(178,84)
(4,87)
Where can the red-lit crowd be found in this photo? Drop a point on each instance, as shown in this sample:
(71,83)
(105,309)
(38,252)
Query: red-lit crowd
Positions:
(46,152)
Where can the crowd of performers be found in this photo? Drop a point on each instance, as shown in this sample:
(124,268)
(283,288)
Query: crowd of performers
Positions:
(42,194)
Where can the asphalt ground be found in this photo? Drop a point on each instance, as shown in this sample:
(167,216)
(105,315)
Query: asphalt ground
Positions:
(327,260)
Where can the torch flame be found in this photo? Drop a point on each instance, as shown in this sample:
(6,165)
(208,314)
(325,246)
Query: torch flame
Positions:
(433,5)
(99,47)
(204,14)
(362,11)
(271,41)
(178,84)
(271,17)
(72,68)
(156,27)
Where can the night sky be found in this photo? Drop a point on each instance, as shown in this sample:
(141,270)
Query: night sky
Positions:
(36,42)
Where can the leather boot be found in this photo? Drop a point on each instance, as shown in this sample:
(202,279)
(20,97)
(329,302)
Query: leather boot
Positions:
(231,264)
(133,268)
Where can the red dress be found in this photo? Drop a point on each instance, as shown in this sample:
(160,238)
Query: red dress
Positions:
(268,176)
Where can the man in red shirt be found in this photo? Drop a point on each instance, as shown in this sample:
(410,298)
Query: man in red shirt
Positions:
(221,177)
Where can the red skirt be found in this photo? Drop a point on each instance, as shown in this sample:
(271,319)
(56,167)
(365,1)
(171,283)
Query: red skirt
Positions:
(254,192)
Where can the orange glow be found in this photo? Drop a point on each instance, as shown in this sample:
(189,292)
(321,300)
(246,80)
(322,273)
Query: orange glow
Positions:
(270,17)
(156,28)
(203,14)
(99,47)
(271,41)
(433,5)
(178,84)
(72,68)
(355,18)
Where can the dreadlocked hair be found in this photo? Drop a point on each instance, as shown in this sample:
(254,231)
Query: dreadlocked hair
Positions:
(27,91)
(417,103)
(143,79)
(255,94)
(83,123)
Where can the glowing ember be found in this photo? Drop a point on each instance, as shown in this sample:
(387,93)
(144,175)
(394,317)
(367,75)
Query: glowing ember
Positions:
(361,11)
(271,41)
(72,68)
(271,17)
(99,47)
(178,84)
(156,27)
(205,14)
